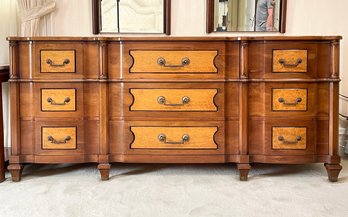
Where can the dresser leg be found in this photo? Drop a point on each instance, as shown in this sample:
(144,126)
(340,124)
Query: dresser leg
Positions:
(104,169)
(243,171)
(333,170)
(16,171)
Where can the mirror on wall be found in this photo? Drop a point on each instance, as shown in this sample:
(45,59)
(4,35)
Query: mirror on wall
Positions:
(131,16)
(246,15)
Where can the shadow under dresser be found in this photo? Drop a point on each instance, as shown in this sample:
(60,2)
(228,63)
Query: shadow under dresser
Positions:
(174,100)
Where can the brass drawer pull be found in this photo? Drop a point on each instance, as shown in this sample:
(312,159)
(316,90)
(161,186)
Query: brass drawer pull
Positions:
(286,64)
(66,101)
(163,138)
(162,100)
(297,101)
(51,63)
(54,141)
(298,139)
(184,62)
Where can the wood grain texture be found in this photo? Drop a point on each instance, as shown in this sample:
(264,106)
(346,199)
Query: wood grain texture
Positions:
(290,61)
(58,99)
(235,106)
(289,138)
(199,61)
(289,99)
(59,137)
(173,100)
(198,137)
(58,61)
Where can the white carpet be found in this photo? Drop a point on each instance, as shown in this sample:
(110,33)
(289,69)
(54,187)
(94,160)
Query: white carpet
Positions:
(144,190)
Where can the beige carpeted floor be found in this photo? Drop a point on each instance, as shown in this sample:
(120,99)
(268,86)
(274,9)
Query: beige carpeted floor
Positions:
(144,190)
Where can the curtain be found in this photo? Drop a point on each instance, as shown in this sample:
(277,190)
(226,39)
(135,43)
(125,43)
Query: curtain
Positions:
(35,17)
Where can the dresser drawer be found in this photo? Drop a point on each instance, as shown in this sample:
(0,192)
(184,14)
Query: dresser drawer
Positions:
(284,137)
(170,100)
(58,100)
(284,99)
(289,138)
(173,61)
(174,138)
(285,60)
(64,60)
(57,61)
(290,61)
(173,99)
(164,138)
(289,99)
(58,137)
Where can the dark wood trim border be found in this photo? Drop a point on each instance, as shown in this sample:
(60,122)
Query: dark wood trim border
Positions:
(283,16)
(210,16)
(96,17)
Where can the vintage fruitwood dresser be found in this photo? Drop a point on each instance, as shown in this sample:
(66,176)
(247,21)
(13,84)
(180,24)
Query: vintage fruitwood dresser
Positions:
(174,100)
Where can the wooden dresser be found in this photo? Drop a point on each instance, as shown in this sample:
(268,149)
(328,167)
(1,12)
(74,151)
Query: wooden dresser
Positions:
(174,100)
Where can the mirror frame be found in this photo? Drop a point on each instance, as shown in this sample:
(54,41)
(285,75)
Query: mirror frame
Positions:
(210,17)
(96,17)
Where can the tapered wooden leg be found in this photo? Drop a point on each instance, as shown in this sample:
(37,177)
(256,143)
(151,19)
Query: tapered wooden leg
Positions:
(16,171)
(104,170)
(333,170)
(243,171)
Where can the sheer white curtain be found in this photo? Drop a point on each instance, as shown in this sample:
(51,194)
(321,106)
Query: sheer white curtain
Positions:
(35,17)
(8,26)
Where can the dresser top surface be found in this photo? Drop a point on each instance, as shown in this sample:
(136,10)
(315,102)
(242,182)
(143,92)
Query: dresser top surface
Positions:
(176,38)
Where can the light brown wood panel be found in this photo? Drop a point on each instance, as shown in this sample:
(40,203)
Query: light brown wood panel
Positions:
(58,61)
(58,99)
(174,137)
(59,138)
(289,99)
(173,99)
(148,61)
(289,137)
(290,61)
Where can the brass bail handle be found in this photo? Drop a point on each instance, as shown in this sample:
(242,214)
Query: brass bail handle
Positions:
(163,101)
(51,63)
(54,141)
(163,138)
(281,139)
(297,101)
(53,102)
(287,64)
(184,62)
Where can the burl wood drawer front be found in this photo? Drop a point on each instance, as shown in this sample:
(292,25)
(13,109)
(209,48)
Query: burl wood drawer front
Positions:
(58,100)
(289,138)
(58,61)
(173,61)
(289,99)
(174,138)
(173,99)
(59,137)
(290,61)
